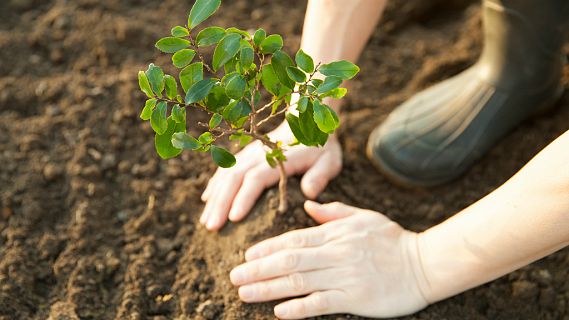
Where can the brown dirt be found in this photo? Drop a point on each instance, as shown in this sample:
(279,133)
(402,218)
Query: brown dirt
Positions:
(94,226)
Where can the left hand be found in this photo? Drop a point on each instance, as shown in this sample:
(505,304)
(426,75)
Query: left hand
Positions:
(360,263)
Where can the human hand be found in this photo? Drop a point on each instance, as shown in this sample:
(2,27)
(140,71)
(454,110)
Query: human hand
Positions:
(357,262)
(237,188)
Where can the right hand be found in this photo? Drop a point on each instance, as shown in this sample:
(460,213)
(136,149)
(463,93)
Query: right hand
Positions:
(232,192)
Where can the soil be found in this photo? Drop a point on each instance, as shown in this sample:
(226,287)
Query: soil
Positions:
(93,225)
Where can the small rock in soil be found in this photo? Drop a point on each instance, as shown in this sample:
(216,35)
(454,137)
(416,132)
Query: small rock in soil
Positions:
(62,311)
(52,172)
(525,290)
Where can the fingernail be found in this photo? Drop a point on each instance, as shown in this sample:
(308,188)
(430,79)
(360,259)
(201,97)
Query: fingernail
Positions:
(247,293)
(281,311)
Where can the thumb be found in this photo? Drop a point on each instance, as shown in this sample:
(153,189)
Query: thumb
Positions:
(326,167)
(323,213)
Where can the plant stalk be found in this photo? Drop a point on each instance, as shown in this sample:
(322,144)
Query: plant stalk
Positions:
(283,204)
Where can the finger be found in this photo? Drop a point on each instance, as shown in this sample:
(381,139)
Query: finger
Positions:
(315,304)
(286,262)
(248,162)
(323,213)
(207,208)
(254,183)
(210,183)
(293,285)
(221,202)
(303,238)
(326,167)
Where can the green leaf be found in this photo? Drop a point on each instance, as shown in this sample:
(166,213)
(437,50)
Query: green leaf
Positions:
(190,75)
(215,120)
(243,33)
(222,157)
(202,10)
(179,31)
(317,82)
(182,140)
(304,61)
(236,111)
(296,74)
(156,78)
(144,84)
(171,86)
(246,56)
(326,118)
(310,129)
(242,138)
(259,36)
(270,81)
(294,125)
(209,36)
(179,114)
(302,104)
(172,44)
(343,69)
(271,44)
(225,50)
(158,120)
(331,82)
(271,160)
(216,99)
(183,57)
(147,110)
(206,138)
(163,142)
(280,61)
(199,90)
(337,93)
(236,86)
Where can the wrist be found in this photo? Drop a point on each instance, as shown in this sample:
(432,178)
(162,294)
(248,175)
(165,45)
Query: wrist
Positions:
(412,248)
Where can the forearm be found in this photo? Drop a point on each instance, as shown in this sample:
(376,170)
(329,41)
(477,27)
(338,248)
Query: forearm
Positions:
(339,29)
(522,221)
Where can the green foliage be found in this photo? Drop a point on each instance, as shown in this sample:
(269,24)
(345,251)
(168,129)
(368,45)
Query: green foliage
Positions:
(222,157)
(226,49)
(202,10)
(243,68)
(183,57)
(180,32)
(163,142)
(209,36)
(304,61)
(172,44)
(271,44)
(343,69)
(199,91)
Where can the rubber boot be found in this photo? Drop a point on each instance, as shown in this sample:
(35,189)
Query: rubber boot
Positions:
(440,132)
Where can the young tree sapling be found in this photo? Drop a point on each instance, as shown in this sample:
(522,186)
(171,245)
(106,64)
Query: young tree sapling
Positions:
(244,68)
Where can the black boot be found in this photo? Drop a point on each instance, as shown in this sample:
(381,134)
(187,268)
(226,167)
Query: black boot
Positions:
(440,132)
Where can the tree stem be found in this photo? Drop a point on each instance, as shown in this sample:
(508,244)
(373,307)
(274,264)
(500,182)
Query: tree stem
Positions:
(283,204)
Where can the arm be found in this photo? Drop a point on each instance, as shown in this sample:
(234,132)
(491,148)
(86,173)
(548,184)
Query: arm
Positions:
(339,29)
(333,30)
(360,262)
(524,220)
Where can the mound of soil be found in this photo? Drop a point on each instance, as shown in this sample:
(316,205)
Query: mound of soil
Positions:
(94,226)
